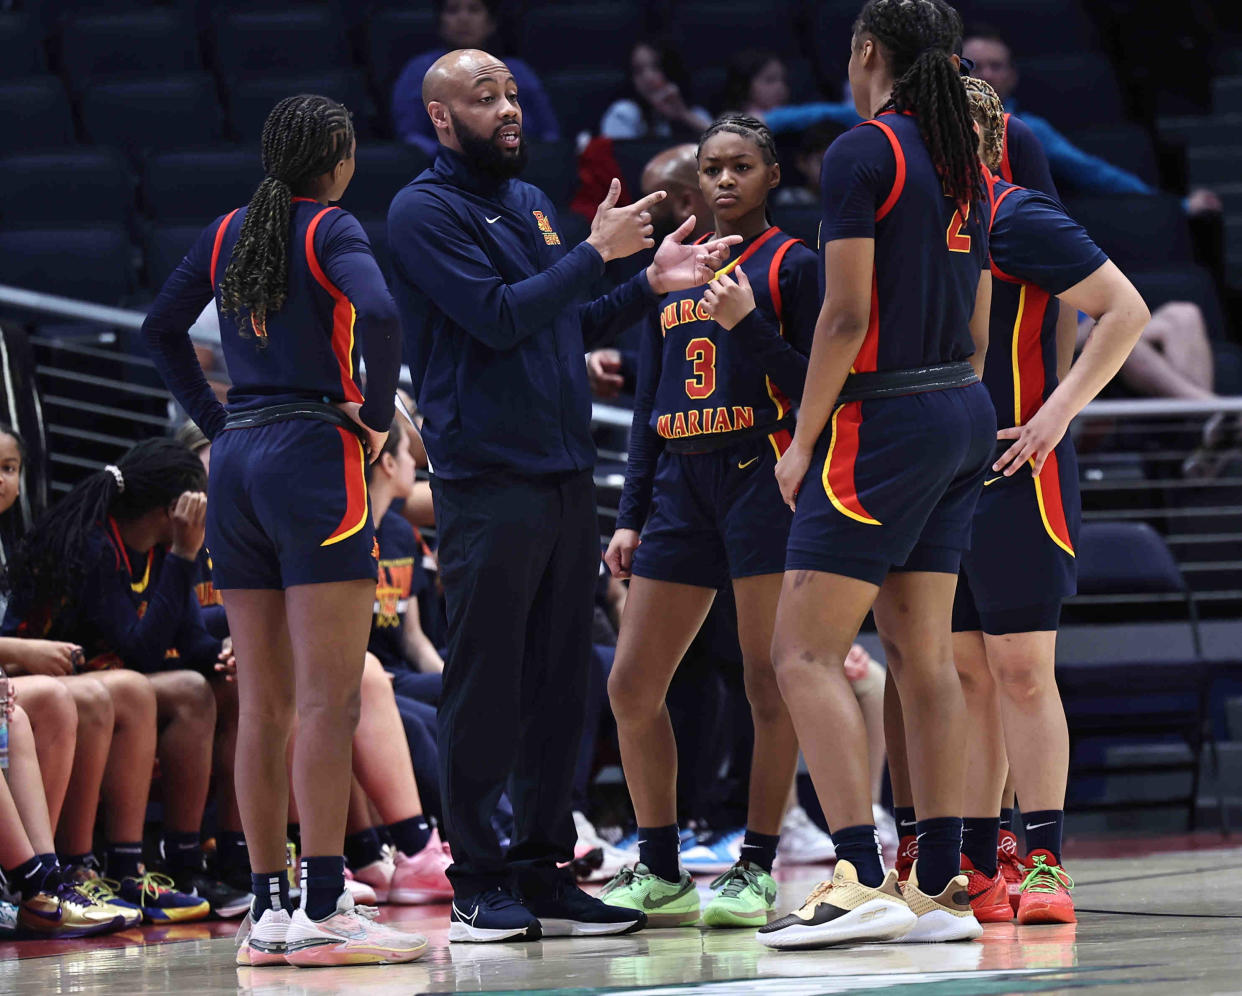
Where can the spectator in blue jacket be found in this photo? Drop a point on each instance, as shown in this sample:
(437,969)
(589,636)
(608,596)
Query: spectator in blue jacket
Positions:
(496,320)
(466,24)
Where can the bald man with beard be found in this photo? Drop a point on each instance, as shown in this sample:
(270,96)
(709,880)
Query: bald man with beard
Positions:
(496,317)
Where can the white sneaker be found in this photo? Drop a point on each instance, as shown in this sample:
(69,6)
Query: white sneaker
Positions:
(350,936)
(614,857)
(802,842)
(263,943)
(359,892)
(885,826)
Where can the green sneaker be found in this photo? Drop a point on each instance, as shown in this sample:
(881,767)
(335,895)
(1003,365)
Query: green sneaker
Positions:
(667,904)
(747,895)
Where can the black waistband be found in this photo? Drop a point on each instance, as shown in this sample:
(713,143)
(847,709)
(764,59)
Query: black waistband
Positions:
(709,442)
(315,410)
(895,383)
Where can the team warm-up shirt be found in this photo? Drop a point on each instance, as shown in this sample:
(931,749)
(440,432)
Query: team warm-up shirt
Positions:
(401,577)
(696,379)
(133,610)
(338,308)
(879,183)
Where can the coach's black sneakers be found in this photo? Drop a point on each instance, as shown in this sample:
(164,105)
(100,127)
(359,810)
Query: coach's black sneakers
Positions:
(494,915)
(564,910)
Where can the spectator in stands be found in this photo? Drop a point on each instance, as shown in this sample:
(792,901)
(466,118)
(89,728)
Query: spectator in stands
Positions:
(658,103)
(1074,169)
(112,567)
(755,83)
(466,24)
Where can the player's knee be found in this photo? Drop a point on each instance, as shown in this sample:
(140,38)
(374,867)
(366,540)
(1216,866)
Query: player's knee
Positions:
(51,704)
(633,700)
(973,674)
(94,708)
(1019,679)
(192,700)
(133,698)
(763,692)
(338,708)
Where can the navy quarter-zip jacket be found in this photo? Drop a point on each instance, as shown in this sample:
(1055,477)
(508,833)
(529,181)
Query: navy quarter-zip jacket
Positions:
(496,319)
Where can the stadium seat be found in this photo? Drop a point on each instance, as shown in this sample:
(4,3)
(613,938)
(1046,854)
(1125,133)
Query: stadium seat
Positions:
(195,185)
(251,99)
(802,222)
(553,168)
(42,107)
(92,263)
(164,246)
(73,187)
(1071,91)
(114,46)
(153,114)
(1184,283)
(579,36)
(393,37)
(711,33)
(21,53)
(1136,230)
(1124,145)
(383,169)
(832,27)
(581,97)
(1043,28)
(304,40)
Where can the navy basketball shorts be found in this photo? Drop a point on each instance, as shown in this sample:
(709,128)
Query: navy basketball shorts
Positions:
(893,485)
(715,516)
(1021,565)
(287,505)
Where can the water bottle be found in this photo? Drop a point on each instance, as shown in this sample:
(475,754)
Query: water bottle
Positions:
(4,721)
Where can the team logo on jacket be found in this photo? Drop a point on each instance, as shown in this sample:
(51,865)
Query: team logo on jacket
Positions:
(545,227)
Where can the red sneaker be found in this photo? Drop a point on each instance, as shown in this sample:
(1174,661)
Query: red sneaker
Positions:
(989,897)
(1010,866)
(907,854)
(1045,891)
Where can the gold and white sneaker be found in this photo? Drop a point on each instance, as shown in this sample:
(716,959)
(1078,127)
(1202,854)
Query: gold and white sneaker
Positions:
(263,943)
(351,935)
(843,911)
(946,917)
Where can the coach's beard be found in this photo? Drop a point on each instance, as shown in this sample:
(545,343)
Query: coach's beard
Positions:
(487,156)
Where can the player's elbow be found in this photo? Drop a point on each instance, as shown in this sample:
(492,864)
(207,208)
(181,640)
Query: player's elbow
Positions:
(1129,311)
(844,324)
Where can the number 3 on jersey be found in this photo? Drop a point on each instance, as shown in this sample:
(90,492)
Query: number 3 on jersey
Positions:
(702,355)
(958,240)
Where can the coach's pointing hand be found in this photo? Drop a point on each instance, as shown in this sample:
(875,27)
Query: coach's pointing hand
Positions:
(680,267)
(617,232)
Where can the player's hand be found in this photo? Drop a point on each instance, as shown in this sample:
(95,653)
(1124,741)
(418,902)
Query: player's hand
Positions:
(604,373)
(617,232)
(50,657)
(791,471)
(728,301)
(620,555)
(375,440)
(678,266)
(226,663)
(856,662)
(189,521)
(1033,442)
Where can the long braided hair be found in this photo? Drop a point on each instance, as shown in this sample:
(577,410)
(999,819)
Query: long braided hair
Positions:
(303,138)
(919,37)
(989,113)
(49,567)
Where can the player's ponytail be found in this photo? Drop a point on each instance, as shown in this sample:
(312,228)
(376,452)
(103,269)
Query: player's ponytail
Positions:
(304,137)
(918,37)
(48,567)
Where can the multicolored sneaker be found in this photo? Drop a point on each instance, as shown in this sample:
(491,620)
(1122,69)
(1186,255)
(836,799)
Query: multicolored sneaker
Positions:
(989,897)
(263,943)
(351,935)
(842,911)
(667,904)
(156,895)
(907,854)
(359,892)
(65,912)
(377,876)
(745,895)
(714,853)
(802,842)
(104,891)
(1045,891)
(1010,866)
(422,877)
(946,917)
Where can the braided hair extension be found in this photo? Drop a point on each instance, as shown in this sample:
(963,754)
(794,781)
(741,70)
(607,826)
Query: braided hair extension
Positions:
(304,137)
(49,567)
(919,37)
(747,127)
(989,113)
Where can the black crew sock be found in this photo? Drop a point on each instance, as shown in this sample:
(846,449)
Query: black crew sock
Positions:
(323,881)
(271,892)
(904,817)
(183,852)
(411,835)
(860,846)
(362,848)
(87,861)
(1006,819)
(1043,829)
(659,849)
(232,855)
(760,848)
(940,853)
(30,877)
(123,860)
(50,861)
(979,840)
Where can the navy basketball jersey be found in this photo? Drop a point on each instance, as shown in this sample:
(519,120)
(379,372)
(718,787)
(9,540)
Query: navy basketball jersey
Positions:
(1023,160)
(879,183)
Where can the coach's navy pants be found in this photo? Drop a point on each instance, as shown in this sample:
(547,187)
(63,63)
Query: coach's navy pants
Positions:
(518,558)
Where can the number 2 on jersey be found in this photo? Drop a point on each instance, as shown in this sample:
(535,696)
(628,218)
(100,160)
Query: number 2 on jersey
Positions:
(958,240)
(702,355)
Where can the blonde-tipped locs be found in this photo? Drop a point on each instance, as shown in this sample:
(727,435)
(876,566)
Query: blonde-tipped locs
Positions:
(989,114)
